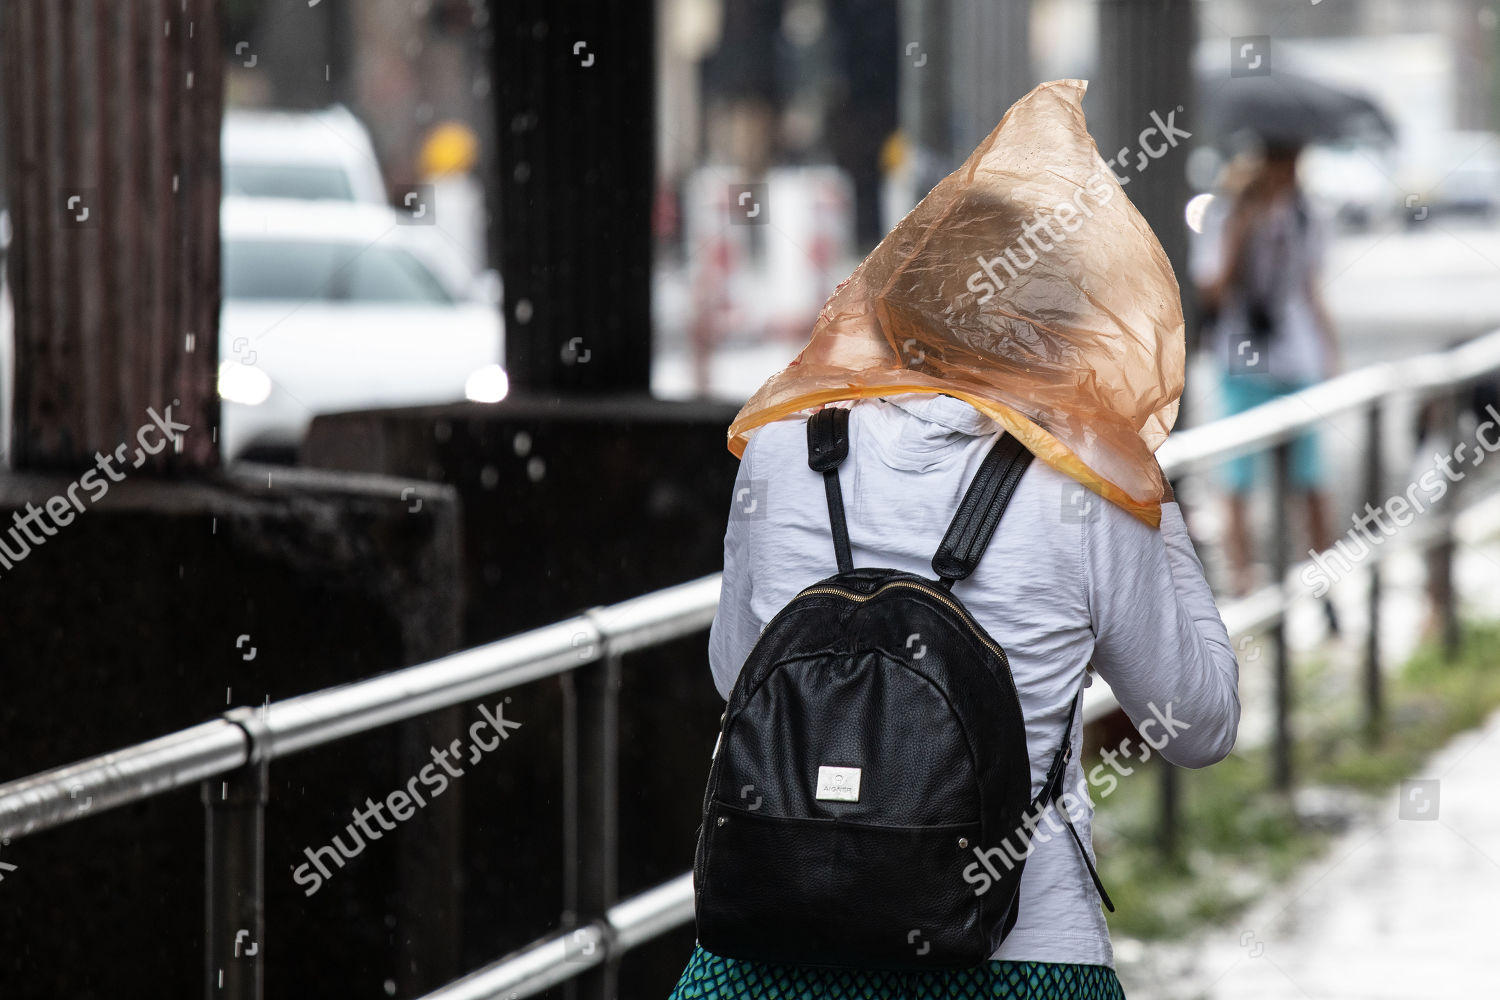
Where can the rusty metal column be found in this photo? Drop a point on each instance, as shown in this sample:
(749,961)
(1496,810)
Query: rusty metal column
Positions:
(234,900)
(112,156)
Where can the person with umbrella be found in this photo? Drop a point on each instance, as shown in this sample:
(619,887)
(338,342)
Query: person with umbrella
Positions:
(1270,331)
(1259,279)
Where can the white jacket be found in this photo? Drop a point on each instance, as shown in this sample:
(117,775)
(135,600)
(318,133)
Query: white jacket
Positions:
(1067,579)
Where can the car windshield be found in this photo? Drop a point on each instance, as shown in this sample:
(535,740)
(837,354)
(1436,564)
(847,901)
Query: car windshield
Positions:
(329,272)
(287,180)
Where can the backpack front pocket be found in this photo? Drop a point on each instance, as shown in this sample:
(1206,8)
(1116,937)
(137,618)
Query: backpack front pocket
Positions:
(832,892)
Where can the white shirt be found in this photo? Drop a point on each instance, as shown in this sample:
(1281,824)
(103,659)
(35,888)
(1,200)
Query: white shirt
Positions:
(1067,578)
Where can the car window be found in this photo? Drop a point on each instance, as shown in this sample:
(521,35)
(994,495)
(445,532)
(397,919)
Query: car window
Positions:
(390,274)
(329,272)
(286,180)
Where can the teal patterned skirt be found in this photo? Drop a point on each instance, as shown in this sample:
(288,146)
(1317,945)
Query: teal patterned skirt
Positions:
(713,977)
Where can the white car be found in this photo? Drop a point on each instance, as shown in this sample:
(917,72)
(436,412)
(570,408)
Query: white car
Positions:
(320,155)
(331,306)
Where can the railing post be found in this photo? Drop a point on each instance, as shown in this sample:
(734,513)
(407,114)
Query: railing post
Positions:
(1453,406)
(591,731)
(1281,750)
(1166,837)
(1373,475)
(234,856)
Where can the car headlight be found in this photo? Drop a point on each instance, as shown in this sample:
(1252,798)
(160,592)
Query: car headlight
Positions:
(243,384)
(487,385)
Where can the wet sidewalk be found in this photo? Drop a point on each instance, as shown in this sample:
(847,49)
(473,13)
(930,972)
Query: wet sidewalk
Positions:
(1401,907)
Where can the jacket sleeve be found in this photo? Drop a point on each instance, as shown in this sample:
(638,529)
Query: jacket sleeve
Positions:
(1159,640)
(734,628)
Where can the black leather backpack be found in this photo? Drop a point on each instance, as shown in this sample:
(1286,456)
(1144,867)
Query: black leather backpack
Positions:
(873,744)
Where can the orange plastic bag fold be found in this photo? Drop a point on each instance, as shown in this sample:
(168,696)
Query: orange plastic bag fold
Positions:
(1027,284)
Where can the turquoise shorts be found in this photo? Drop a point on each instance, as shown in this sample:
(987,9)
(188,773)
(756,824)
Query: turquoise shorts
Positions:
(1243,392)
(711,977)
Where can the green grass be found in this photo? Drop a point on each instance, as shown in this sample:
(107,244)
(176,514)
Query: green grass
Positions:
(1237,837)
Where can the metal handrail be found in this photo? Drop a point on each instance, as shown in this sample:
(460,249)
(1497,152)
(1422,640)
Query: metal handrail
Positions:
(1288,416)
(551,960)
(35,803)
(40,801)
(225,747)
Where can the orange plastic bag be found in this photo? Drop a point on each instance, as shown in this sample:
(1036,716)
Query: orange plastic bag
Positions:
(1027,284)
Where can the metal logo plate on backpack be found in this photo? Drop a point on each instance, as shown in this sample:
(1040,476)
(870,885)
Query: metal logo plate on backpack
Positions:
(838,784)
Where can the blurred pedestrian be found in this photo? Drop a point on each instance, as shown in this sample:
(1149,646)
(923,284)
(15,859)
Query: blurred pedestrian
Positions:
(1268,328)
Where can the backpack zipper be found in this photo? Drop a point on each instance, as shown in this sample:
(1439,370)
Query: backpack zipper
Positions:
(949,602)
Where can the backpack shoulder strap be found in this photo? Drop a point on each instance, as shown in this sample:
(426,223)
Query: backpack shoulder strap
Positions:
(979,513)
(827,447)
(1052,789)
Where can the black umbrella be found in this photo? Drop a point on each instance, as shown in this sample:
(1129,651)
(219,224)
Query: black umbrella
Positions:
(1287,110)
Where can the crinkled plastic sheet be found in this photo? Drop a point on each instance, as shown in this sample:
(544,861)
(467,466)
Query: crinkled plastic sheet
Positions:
(1027,284)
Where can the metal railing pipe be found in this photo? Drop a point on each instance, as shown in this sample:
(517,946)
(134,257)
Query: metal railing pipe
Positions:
(653,913)
(1457,367)
(660,616)
(53,797)
(331,714)
(1275,422)
(531,970)
(323,716)
(547,962)
(177,760)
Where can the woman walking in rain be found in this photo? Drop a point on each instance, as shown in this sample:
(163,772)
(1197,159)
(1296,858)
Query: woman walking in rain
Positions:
(895,808)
